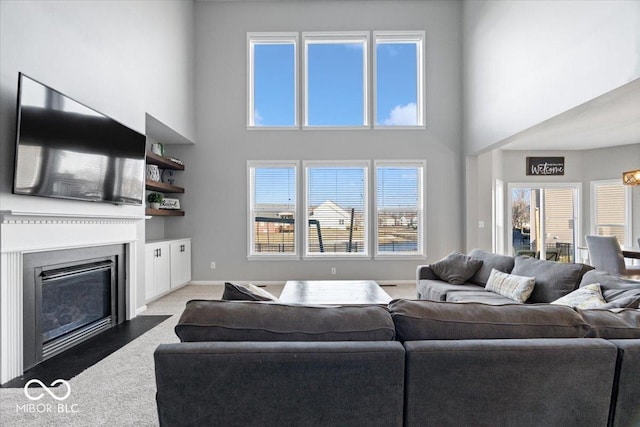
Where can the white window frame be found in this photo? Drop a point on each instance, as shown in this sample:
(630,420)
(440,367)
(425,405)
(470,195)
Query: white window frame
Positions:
(270,256)
(420,252)
(306,165)
(270,38)
(628,232)
(388,37)
(336,38)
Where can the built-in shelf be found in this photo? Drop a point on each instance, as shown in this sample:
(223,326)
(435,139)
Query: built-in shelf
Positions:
(163,212)
(163,162)
(162,187)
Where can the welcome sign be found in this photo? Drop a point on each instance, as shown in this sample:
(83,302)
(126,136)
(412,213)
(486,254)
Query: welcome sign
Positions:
(545,165)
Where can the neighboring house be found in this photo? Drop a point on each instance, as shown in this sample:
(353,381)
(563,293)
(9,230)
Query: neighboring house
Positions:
(330,215)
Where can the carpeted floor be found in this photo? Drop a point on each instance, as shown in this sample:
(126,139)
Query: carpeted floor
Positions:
(119,390)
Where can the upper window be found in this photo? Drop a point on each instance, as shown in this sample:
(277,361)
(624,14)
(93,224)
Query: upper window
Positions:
(335,76)
(272,209)
(399,208)
(336,209)
(399,78)
(611,212)
(272,94)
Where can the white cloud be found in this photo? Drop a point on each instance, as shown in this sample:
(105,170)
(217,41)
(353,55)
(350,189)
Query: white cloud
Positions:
(402,115)
(257,118)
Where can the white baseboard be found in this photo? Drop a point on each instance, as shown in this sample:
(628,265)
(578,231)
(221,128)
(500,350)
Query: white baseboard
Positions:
(140,310)
(242,282)
(280,282)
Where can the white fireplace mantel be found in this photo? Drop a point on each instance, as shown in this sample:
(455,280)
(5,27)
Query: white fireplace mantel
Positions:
(26,232)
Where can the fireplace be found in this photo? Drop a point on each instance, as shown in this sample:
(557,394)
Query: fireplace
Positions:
(69,296)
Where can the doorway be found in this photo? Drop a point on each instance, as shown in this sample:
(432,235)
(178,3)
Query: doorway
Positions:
(544,220)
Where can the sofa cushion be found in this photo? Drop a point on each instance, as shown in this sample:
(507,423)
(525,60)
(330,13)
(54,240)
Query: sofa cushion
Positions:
(456,268)
(586,297)
(437,290)
(248,292)
(484,297)
(553,279)
(517,288)
(490,261)
(429,320)
(211,320)
(613,324)
(608,281)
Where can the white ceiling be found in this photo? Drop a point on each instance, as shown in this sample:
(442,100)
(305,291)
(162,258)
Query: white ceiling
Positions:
(609,120)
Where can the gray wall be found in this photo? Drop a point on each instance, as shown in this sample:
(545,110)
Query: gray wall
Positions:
(582,166)
(216,176)
(527,61)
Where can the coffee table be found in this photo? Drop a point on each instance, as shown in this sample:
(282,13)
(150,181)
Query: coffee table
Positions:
(333,292)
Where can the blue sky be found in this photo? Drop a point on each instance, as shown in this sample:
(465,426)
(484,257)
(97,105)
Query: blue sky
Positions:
(335,84)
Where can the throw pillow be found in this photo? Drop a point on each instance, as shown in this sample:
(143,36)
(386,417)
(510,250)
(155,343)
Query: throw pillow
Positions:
(456,268)
(248,292)
(589,296)
(517,288)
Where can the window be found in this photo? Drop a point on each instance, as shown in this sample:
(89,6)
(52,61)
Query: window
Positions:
(272,209)
(272,93)
(399,78)
(611,210)
(335,79)
(336,209)
(399,208)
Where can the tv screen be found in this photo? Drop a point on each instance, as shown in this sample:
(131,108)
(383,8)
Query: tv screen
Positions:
(67,150)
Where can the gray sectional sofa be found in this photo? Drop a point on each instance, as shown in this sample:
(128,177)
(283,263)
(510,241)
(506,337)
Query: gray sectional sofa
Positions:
(411,363)
(553,280)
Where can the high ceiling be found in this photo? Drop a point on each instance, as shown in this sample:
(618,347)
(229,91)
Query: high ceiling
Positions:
(609,120)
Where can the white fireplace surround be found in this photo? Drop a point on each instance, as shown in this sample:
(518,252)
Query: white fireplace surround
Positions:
(21,233)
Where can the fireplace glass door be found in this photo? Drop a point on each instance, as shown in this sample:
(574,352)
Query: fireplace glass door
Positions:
(74,297)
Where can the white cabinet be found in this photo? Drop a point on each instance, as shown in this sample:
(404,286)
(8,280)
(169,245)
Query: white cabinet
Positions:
(167,266)
(157,269)
(180,262)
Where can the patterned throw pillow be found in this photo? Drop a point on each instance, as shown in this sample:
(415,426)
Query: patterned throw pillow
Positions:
(517,288)
(456,268)
(589,296)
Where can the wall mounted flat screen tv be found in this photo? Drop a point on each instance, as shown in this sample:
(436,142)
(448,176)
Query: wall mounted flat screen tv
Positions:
(67,150)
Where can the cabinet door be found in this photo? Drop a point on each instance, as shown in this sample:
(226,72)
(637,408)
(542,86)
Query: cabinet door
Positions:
(162,268)
(180,262)
(149,269)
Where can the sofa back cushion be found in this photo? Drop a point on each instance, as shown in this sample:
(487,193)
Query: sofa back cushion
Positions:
(430,320)
(489,261)
(553,279)
(617,292)
(212,320)
(618,324)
